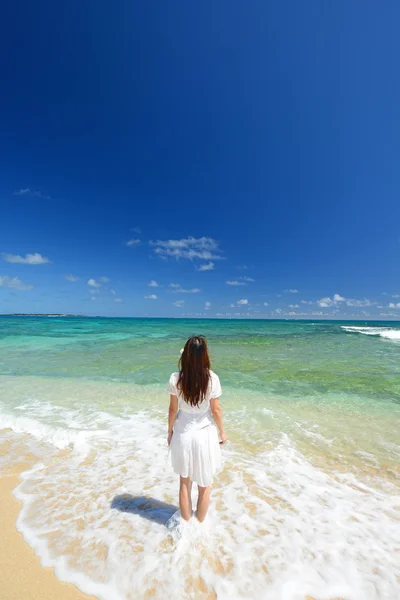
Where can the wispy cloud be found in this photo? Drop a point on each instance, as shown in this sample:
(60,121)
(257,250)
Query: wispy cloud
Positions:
(132,243)
(325,302)
(307,302)
(33,193)
(93,283)
(94,291)
(185,291)
(151,297)
(234,282)
(393,305)
(28,259)
(359,303)
(395,295)
(14,283)
(294,306)
(242,267)
(104,279)
(93,298)
(207,305)
(190,248)
(153,283)
(338,299)
(245,278)
(136,230)
(266,304)
(177,289)
(71,278)
(113,292)
(210,266)
(292,291)
(179,303)
(118,300)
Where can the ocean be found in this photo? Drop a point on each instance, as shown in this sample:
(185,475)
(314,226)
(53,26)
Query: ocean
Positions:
(307,504)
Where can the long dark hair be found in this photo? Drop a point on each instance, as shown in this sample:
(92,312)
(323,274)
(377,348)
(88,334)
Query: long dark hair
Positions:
(194,370)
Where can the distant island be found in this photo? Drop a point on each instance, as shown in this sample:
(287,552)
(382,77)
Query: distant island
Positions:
(41,315)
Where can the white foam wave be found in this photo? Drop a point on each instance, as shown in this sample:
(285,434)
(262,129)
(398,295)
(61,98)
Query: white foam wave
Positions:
(389,333)
(278,527)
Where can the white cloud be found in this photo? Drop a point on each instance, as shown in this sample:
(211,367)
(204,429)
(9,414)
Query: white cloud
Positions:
(71,278)
(94,291)
(278,311)
(234,283)
(93,298)
(266,304)
(179,303)
(14,283)
(292,291)
(188,248)
(119,300)
(242,267)
(151,297)
(93,283)
(132,243)
(113,292)
(294,306)
(395,295)
(105,279)
(242,302)
(326,302)
(207,305)
(245,278)
(29,259)
(207,266)
(174,285)
(34,193)
(136,230)
(153,283)
(307,302)
(393,305)
(316,313)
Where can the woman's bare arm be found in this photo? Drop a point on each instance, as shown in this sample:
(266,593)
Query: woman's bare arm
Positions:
(173,411)
(217,414)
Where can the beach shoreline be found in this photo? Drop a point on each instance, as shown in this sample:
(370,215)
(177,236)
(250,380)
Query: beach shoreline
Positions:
(21,573)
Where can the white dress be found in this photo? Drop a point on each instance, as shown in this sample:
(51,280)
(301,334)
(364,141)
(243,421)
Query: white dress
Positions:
(195,449)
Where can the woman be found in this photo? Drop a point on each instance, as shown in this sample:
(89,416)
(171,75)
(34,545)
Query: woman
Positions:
(194,411)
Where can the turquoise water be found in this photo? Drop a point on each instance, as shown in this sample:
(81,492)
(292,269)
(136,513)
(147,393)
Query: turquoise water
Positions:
(307,503)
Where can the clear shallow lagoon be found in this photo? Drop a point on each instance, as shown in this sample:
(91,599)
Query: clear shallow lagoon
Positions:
(308,501)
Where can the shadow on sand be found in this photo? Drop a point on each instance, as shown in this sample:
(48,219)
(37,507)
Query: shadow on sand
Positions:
(147,508)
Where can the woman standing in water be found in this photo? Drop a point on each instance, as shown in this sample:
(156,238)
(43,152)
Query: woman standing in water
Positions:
(194,413)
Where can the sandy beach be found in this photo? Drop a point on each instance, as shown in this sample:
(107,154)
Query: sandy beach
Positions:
(21,574)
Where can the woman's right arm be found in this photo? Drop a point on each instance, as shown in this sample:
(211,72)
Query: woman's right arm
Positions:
(217,414)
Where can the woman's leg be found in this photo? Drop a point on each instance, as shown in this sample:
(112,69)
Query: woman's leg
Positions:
(185,498)
(203,502)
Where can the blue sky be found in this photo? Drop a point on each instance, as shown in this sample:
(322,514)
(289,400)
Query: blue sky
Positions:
(143,141)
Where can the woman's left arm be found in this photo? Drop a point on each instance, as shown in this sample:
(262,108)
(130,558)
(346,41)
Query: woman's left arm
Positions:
(173,411)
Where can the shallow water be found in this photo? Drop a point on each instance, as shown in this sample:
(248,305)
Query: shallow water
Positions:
(307,504)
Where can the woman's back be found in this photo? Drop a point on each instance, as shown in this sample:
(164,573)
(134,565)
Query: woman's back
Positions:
(213,391)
